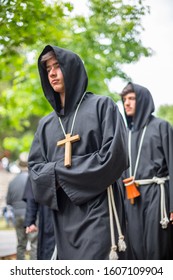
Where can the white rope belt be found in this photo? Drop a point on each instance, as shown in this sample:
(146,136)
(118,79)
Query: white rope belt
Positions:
(160,181)
(113,214)
(55,253)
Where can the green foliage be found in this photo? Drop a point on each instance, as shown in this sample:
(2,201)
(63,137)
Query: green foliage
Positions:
(107,37)
(18,145)
(166,112)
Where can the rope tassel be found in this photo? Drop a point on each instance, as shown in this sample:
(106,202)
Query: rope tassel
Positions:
(113,214)
(113,253)
(164,218)
(121,244)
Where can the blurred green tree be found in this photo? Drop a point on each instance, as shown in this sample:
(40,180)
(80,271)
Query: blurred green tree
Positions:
(105,37)
(166,112)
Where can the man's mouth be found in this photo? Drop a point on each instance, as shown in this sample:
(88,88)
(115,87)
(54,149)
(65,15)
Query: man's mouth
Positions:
(54,82)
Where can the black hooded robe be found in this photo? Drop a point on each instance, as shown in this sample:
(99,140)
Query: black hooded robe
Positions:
(34,211)
(147,238)
(78,195)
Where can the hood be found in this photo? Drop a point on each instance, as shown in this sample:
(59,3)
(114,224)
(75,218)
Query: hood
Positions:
(75,79)
(144,107)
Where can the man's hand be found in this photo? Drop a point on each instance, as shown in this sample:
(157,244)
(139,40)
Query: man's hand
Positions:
(171,218)
(31,228)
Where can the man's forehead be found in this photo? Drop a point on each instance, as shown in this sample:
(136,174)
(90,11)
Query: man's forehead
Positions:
(51,61)
(129,94)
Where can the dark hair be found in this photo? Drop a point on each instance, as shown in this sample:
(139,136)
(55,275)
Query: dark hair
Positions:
(128,88)
(47,56)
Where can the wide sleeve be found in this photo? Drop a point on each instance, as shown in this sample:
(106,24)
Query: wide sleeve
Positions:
(91,173)
(32,206)
(31,212)
(42,175)
(167,140)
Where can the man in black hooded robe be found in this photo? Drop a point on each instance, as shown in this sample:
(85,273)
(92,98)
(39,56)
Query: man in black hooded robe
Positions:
(150,143)
(38,218)
(76,189)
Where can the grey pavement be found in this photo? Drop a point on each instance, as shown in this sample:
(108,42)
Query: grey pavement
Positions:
(8,242)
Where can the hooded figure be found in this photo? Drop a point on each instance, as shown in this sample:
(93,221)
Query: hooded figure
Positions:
(39,218)
(150,210)
(77,191)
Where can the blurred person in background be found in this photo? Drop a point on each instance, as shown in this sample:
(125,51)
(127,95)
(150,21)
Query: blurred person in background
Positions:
(8,214)
(38,218)
(149,179)
(14,198)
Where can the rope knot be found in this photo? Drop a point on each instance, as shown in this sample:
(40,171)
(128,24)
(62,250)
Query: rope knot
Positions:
(158,181)
(113,253)
(121,244)
(164,222)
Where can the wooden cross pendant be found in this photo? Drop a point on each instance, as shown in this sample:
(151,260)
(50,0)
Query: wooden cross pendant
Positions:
(67,142)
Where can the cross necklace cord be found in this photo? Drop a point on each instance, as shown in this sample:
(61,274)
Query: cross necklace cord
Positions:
(69,139)
(138,154)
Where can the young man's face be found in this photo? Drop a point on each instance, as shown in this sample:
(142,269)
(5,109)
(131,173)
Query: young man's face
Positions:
(129,101)
(55,75)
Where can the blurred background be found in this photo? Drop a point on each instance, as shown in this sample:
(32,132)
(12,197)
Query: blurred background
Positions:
(119,41)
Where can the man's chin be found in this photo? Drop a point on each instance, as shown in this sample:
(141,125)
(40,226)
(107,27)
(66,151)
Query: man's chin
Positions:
(129,114)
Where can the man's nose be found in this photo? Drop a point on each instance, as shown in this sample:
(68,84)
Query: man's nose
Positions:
(126,102)
(52,72)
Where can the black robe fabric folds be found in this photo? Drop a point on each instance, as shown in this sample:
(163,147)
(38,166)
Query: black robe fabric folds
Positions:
(34,211)
(78,195)
(147,238)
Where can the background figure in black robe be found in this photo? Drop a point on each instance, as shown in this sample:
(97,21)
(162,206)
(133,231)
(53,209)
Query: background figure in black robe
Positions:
(14,198)
(77,194)
(39,218)
(149,233)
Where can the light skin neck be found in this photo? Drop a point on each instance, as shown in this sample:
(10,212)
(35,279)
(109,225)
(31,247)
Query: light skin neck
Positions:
(62,98)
